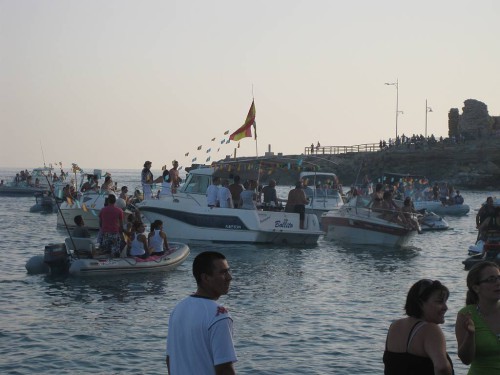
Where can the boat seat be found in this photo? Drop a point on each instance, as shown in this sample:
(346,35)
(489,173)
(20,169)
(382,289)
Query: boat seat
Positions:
(83,247)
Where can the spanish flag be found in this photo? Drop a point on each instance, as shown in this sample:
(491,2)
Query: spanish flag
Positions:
(245,130)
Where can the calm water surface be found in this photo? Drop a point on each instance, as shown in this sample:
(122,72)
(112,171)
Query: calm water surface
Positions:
(324,309)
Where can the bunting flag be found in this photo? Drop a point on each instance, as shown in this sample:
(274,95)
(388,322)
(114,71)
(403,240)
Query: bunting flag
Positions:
(238,144)
(245,130)
(208,150)
(213,139)
(223,141)
(186,154)
(226,132)
(84,207)
(218,149)
(208,159)
(193,160)
(199,147)
(228,141)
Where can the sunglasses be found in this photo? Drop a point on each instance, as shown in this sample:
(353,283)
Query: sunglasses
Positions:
(424,285)
(490,280)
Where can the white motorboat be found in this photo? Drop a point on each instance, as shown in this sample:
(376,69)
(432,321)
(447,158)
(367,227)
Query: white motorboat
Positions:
(187,217)
(486,248)
(37,183)
(323,192)
(62,259)
(88,205)
(356,223)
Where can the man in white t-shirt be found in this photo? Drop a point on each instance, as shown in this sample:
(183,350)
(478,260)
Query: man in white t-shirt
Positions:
(224,195)
(213,192)
(200,331)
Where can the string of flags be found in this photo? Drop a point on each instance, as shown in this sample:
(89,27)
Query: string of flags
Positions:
(243,131)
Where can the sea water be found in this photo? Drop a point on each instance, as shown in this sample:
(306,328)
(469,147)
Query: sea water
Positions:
(322,309)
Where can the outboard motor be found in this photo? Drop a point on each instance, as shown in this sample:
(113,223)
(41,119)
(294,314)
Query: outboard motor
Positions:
(57,258)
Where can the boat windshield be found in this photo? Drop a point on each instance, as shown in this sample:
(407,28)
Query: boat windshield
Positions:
(196,184)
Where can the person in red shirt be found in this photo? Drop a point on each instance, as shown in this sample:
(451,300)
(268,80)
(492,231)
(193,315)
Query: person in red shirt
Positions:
(111,227)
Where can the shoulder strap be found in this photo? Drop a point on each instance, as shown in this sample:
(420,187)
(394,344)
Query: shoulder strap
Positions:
(413,332)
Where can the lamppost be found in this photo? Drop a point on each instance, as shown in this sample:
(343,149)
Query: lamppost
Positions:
(427,109)
(397,103)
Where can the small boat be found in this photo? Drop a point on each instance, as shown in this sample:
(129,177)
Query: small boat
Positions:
(64,259)
(187,217)
(429,221)
(323,192)
(490,239)
(487,248)
(44,202)
(37,183)
(356,223)
(442,209)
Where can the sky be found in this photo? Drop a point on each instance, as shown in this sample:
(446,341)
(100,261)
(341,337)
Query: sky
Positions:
(111,84)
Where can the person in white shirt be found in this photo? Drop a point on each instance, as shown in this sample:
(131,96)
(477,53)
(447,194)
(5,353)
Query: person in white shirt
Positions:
(212,192)
(200,330)
(224,195)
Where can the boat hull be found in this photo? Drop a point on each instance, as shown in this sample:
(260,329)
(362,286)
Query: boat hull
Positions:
(362,227)
(186,220)
(92,267)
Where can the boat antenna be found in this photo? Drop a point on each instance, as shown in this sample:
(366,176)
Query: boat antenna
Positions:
(43,156)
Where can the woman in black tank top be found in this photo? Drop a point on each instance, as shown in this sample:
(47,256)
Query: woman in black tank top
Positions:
(416,344)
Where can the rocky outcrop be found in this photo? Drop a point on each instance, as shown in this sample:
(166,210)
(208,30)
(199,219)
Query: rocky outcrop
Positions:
(474,122)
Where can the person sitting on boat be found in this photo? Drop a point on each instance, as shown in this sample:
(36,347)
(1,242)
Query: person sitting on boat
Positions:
(80,230)
(212,192)
(410,213)
(490,225)
(458,199)
(157,239)
(377,198)
(270,195)
(122,200)
(108,186)
(236,189)
(485,211)
(166,186)
(138,246)
(111,227)
(224,195)
(297,201)
(248,198)
(391,210)
(1,182)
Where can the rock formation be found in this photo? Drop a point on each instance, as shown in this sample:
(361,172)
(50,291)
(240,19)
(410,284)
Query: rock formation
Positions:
(475,122)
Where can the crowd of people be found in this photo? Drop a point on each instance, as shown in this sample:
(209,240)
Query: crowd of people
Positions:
(200,330)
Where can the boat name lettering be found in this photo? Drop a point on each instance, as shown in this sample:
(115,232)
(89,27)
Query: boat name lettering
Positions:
(283,224)
(232,226)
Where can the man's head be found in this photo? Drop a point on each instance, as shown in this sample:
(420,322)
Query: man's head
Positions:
(272,183)
(111,199)
(212,274)
(78,220)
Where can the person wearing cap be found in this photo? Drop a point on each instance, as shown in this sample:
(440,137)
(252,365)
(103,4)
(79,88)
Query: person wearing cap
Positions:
(147,180)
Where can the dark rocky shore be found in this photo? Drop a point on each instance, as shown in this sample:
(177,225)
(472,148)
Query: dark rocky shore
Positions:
(474,164)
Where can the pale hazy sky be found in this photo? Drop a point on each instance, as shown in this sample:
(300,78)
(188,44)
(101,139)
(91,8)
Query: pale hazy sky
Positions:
(110,84)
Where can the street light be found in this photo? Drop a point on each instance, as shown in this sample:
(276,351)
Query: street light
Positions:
(397,102)
(427,109)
